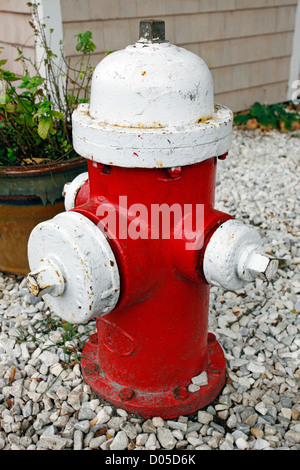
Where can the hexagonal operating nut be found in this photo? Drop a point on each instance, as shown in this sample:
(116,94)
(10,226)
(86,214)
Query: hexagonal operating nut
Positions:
(48,279)
(152,31)
(261,266)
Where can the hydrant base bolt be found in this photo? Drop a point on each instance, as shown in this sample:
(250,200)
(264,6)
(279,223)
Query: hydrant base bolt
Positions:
(91,368)
(165,403)
(126,394)
(181,393)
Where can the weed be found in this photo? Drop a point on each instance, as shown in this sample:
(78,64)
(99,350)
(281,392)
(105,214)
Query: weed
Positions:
(266,117)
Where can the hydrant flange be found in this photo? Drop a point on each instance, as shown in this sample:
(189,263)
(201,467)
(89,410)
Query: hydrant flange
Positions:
(164,147)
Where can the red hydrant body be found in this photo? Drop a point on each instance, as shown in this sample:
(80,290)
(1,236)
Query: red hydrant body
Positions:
(140,241)
(148,349)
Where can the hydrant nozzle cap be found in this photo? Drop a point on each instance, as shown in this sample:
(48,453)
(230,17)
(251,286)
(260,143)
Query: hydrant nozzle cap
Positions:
(152,31)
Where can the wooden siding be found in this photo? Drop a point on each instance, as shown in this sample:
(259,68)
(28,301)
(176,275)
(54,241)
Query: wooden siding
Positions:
(247,44)
(15,31)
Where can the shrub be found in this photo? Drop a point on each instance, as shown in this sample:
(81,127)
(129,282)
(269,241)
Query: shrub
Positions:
(36,110)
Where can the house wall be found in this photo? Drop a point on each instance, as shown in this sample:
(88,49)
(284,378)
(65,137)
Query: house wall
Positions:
(247,44)
(15,31)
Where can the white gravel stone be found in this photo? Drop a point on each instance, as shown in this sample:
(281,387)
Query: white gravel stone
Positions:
(204,417)
(194,441)
(262,408)
(102,417)
(142,439)
(226,446)
(106,444)
(166,438)
(78,440)
(130,430)
(193,388)
(74,397)
(241,444)
(151,441)
(292,434)
(56,369)
(121,412)
(97,442)
(49,358)
(286,412)
(115,422)
(158,422)
(200,379)
(120,441)
(177,425)
(62,393)
(52,442)
(261,444)
(257,368)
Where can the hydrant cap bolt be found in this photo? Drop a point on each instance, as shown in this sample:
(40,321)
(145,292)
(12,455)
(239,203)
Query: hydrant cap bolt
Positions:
(48,279)
(32,285)
(261,266)
(152,31)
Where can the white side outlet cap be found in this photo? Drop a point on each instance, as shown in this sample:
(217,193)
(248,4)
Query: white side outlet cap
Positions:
(73,268)
(234,256)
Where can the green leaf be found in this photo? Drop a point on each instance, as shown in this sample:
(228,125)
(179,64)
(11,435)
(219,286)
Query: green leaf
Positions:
(24,105)
(10,107)
(3,100)
(84,42)
(45,124)
(11,156)
(242,119)
(57,115)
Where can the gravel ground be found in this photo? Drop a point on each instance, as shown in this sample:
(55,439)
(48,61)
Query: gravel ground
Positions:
(44,403)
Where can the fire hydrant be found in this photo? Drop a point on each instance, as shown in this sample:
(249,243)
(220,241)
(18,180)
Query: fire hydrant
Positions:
(140,242)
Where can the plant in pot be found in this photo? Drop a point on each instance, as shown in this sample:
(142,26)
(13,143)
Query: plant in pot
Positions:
(36,153)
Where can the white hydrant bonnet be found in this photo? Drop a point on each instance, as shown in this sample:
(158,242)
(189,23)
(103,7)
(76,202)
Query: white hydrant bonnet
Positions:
(152,106)
(150,85)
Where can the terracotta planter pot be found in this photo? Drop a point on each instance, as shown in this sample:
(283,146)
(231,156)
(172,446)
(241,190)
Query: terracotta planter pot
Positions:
(28,196)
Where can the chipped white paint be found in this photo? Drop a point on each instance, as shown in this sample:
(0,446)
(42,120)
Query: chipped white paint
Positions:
(234,256)
(71,190)
(152,148)
(83,258)
(152,85)
(152,106)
